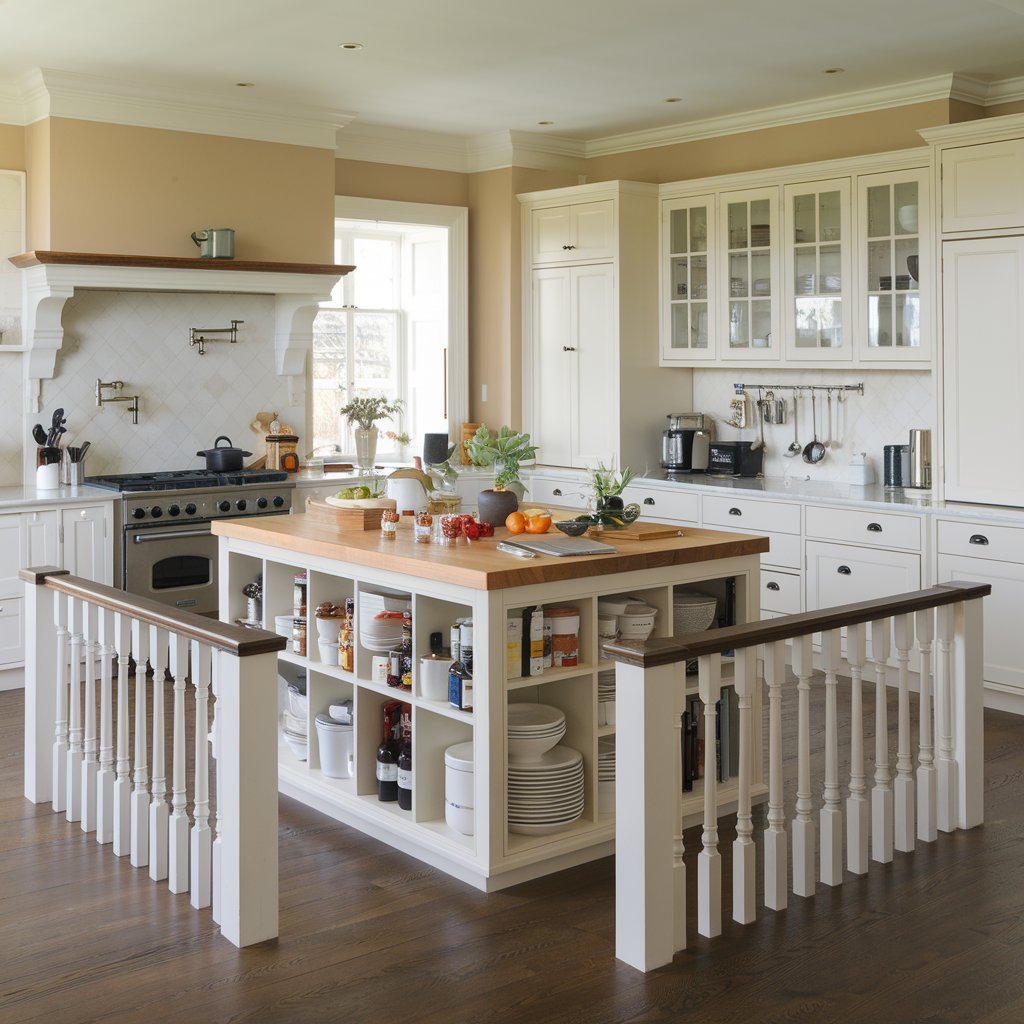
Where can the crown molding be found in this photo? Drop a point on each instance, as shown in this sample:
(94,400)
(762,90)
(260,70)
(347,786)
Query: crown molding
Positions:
(49,93)
(1009,90)
(12,106)
(526,149)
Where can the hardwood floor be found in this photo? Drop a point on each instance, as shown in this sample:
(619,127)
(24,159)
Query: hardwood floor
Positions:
(368,934)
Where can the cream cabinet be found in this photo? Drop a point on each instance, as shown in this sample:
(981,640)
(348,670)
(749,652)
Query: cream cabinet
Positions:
(87,542)
(689,288)
(573,232)
(845,574)
(983,186)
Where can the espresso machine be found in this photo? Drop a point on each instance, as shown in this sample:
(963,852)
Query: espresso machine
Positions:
(686,442)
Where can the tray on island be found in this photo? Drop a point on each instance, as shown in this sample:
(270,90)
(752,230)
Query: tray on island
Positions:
(344,516)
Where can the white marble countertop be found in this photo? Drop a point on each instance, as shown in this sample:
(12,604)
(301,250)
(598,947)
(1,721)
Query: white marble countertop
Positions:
(16,496)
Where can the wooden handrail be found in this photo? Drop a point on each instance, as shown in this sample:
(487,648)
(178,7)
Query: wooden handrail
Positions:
(668,650)
(239,641)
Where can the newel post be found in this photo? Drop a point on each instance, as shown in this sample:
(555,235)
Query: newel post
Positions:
(968,712)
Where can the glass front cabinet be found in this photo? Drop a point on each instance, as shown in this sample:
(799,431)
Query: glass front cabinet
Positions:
(688,281)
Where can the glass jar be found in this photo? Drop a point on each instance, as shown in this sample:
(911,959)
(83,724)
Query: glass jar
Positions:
(422,526)
(389,523)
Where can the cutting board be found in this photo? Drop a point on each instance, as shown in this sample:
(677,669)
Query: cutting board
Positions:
(639,531)
(343,518)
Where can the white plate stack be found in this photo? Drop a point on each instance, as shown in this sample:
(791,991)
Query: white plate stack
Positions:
(606,775)
(606,697)
(296,733)
(545,795)
(380,620)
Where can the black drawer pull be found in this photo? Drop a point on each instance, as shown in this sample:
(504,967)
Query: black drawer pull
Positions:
(844,570)
(557,492)
(874,527)
(979,538)
(567,248)
(773,586)
(568,348)
(648,501)
(735,511)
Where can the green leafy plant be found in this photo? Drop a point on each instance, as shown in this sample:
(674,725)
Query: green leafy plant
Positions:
(608,482)
(507,449)
(367,410)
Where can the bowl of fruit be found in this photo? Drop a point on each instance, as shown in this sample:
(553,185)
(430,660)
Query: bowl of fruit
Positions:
(360,496)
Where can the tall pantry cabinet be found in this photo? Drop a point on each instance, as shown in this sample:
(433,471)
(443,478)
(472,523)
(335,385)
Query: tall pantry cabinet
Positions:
(593,390)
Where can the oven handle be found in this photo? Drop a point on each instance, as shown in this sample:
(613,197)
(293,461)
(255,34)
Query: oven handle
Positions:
(145,538)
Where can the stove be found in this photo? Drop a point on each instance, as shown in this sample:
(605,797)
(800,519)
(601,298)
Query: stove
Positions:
(166,551)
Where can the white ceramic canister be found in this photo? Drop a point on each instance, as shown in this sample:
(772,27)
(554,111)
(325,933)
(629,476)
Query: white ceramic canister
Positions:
(434,677)
(328,652)
(458,774)
(336,748)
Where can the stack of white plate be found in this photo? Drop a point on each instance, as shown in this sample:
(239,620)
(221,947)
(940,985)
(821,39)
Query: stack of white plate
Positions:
(606,775)
(606,697)
(545,795)
(533,729)
(380,620)
(295,731)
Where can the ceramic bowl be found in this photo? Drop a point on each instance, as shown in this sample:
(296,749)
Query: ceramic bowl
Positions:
(571,528)
(522,748)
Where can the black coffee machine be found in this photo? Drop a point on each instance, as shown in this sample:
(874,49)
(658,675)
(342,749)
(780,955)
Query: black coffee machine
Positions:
(685,445)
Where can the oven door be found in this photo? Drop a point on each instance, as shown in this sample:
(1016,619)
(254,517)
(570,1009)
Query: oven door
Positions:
(174,565)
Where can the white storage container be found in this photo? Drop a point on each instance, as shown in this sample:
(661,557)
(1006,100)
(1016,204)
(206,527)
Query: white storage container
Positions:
(336,748)
(458,787)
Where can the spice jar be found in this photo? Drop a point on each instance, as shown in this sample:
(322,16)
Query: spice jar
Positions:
(451,528)
(299,636)
(421,527)
(299,594)
(565,636)
(389,523)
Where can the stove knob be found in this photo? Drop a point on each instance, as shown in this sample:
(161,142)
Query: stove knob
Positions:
(240,504)
(138,513)
(173,510)
(261,502)
(278,501)
(156,511)
(190,509)
(225,506)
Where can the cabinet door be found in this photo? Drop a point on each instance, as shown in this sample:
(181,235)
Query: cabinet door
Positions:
(687,281)
(983,373)
(895,261)
(551,230)
(87,545)
(553,365)
(12,631)
(10,553)
(983,187)
(573,233)
(817,317)
(843,574)
(749,272)
(41,537)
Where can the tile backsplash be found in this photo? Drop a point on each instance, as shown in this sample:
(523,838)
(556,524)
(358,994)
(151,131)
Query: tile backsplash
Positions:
(185,400)
(893,402)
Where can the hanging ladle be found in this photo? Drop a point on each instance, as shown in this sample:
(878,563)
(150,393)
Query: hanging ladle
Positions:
(755,444)
(795,447)
(814,452)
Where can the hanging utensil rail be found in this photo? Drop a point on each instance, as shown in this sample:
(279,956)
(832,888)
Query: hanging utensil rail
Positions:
(859,388)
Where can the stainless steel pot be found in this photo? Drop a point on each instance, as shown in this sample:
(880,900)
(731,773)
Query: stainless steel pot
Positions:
(223,459)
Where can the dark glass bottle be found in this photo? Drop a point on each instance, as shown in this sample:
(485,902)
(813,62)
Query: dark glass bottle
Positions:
(405,775)
(387,766)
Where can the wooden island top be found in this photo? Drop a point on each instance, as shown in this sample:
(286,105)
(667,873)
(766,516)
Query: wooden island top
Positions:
(478,564)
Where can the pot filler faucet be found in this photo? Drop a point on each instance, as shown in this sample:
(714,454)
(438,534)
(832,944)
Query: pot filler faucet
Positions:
(117,385)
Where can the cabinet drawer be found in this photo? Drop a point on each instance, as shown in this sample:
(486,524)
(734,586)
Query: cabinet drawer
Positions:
(837,574)
(848,525)
(751,516)
(783,548)
(566,493)
(780,592)
(675,506)
(977,540)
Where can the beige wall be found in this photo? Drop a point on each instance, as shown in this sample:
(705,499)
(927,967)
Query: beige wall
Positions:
(37,176)
(12,147)
(123,189)
(403,184)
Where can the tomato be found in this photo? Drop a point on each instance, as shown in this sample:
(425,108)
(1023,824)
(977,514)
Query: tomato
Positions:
(471,529)
(486,530)
(516,522)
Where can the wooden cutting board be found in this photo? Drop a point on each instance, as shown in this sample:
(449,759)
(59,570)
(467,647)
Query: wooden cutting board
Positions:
(343,518)
(639,531)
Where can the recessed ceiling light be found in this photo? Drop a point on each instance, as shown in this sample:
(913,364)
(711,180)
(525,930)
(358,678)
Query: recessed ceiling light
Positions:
(545,122)
(674,99)
(350,46)
(833,71)
(246,85)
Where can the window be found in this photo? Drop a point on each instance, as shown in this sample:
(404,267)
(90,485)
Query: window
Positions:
(388,328)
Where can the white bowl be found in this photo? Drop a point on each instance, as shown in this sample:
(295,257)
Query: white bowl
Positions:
(532,749)
(299,747)
(298,703)
(637,625)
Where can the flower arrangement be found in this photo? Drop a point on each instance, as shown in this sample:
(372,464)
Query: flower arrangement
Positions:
(367,410)
(504,450)
(607,482)
(400,438)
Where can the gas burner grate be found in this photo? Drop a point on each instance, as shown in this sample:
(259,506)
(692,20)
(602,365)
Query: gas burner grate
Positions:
(185,479)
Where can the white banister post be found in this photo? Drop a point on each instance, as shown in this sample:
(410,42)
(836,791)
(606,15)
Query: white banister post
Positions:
(927,779)
(856,803)
(644,800)
(803,824)
(948,785)
(247,791)
(776,853)
(140,793)
(831,815)
(969,734)
(122,783)
(744,868)
(904,788)
(105,779)
(90,765)
(158,811)
(46,688)
(881,792)
(201,869)
(177,839)
(73,801)
(678,839)
(709,861)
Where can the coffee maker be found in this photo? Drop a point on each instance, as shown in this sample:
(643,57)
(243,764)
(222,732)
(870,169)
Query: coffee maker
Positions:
(685,444)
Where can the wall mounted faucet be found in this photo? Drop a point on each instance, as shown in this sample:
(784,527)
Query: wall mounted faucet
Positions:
(198,335)
(117,385)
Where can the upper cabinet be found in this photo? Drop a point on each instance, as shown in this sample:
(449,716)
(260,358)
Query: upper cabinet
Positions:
(573,233)
(983,186)
(688,280)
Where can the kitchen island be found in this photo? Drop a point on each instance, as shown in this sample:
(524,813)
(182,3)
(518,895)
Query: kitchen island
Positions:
(467,580)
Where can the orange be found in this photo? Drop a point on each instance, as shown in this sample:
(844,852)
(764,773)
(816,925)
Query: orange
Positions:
(538,522)
(516,522)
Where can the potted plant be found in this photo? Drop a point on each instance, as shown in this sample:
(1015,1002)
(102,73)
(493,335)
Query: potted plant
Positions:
(363,413)
(504,451)
(608,485)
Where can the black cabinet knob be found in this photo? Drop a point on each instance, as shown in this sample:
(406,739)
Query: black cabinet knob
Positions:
(735,512)
(649,501)
(844,570)
(773,586)
(979,538)
(875,527)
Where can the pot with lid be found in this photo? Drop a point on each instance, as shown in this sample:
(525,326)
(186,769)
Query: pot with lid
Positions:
(223,458)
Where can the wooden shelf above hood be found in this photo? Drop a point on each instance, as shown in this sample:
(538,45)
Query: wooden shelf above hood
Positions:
(43,257)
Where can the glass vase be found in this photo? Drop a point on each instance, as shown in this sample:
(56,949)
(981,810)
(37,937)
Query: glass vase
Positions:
(366,446)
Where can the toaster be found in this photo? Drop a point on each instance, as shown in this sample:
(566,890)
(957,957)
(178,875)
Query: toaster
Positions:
(734,458)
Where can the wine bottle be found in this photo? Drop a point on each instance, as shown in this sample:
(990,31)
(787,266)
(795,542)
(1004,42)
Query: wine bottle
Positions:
(405,775)
(387,767)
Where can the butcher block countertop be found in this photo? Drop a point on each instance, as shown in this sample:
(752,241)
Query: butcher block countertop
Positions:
(478,564)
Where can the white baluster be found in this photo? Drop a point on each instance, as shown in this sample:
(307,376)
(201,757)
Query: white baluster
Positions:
(678,843)
(946,805)
(90,745)
(744,904)
(158,810)
(831,816)
(122,783)
(140,794)
(776,853)
(709,862)
(105,779)
(903,632)
(927,778)
(881,793)
(60,725)
(74,763)
(202,838)
(803,824)
(856,803)
(217,848)
(177,858)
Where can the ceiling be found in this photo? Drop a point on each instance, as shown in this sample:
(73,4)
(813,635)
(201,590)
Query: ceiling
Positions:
(593,68)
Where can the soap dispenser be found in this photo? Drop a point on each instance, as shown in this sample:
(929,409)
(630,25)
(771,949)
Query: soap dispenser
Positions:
(862,472)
